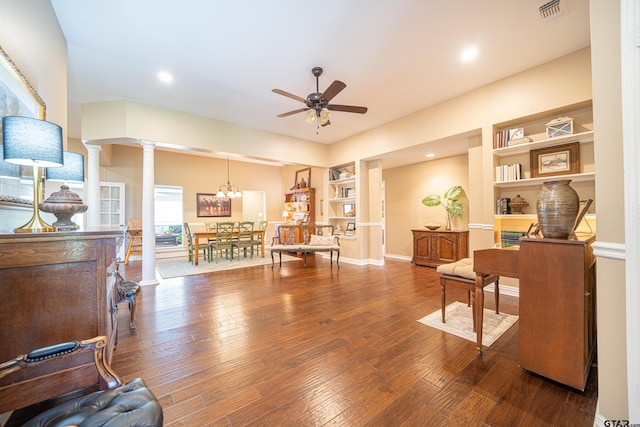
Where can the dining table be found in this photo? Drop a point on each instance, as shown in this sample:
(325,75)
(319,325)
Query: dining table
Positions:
(203,233)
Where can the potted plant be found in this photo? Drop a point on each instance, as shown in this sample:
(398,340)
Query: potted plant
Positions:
(450,201)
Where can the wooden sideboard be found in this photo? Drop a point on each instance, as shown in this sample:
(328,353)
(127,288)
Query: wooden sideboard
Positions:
(432,248)
(55,287)
(557,309)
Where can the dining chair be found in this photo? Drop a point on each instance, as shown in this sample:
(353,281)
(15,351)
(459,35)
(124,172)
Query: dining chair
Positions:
(257,240)
(223,240)
(244,238)
(191,248)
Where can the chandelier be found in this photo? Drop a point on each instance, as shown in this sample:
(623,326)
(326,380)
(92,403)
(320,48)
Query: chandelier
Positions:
(227,190)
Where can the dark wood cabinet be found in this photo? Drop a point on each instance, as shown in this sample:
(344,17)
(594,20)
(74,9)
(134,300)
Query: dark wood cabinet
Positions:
(56,287)
(432,248)
(557,309)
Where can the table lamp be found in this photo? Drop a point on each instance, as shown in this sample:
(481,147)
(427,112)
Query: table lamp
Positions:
(65,203)
(36,143)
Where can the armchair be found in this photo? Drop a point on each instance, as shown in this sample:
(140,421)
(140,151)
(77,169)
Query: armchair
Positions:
(128,405)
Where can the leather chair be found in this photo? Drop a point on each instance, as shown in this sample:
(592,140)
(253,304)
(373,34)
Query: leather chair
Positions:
(126,291)
(124,405)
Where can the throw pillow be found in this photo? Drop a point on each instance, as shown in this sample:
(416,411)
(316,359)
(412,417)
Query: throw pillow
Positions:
(322,240)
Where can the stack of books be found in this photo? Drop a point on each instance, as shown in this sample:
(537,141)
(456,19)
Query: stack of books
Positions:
(511,238)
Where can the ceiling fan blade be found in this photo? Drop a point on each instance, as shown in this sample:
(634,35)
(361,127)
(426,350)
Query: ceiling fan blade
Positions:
(347,108)
(288,113)
(289,95)
(335,88)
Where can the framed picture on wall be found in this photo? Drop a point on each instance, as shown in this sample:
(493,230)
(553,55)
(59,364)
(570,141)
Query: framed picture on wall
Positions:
(209,205)
(303,178)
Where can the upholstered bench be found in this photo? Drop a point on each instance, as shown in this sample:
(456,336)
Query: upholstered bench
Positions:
(460,274)
(314,238)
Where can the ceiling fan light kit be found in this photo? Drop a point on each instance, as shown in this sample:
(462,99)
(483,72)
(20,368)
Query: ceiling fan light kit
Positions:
(317,103)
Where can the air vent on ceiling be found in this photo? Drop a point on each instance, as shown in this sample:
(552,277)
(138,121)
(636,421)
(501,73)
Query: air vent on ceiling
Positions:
(551,10)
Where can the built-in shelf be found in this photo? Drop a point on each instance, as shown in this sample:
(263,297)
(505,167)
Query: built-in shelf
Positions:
(343,181)
(581,137)
(577,177)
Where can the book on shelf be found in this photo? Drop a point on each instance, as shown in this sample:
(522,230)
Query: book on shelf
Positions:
(502,206)
(509,137)
(512,172)
(511,238)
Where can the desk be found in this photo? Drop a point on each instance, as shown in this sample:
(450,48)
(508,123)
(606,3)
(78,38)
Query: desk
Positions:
(557,337)
(496,262)
(206,234)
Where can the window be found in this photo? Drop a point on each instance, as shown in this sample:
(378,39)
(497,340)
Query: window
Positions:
(168,215)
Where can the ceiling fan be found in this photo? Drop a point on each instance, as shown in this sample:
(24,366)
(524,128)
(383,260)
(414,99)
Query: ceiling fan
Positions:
(317,104)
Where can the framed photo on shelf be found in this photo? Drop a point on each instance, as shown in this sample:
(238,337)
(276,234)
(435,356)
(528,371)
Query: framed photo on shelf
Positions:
(351,229)
(209,205)
(346,209)
(557,160)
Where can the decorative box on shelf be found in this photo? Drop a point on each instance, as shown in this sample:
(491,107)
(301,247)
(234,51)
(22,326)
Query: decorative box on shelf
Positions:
(561,126)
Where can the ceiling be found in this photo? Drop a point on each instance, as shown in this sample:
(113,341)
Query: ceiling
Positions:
(225,56)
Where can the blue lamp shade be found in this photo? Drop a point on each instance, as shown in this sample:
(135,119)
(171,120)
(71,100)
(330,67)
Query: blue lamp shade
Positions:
(73,169)
(8,170)
(32,142)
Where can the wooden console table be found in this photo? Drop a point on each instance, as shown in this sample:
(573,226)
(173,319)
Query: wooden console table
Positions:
(557,304)
(55,287)
(433,248)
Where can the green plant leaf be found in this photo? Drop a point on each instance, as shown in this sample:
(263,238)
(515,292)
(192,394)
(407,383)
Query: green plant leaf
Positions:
(454,208)
(453,193)
(432,200)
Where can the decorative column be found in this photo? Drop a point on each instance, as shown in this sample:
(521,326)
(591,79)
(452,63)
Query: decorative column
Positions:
(148,222)
(93,185)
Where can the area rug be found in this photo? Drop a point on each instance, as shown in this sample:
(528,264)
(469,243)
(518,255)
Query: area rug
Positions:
(459,322)
(180,266)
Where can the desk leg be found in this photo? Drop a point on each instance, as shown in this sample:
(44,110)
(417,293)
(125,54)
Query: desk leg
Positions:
(262,246)
(196,253)
(479,310)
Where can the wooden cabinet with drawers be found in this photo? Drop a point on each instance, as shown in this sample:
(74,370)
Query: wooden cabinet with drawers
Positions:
(432,248)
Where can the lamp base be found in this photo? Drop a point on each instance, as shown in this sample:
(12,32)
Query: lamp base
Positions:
(35,225)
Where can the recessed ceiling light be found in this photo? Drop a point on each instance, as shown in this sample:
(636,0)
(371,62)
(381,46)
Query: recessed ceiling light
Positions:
(469,54)
(165,77)
(430,155)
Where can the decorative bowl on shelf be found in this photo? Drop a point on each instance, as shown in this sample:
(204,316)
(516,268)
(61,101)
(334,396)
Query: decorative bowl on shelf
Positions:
(431,226)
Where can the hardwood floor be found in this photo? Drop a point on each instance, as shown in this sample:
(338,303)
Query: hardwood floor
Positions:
(326,346)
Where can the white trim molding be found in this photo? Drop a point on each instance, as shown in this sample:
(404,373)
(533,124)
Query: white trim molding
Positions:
(486,227)
(609,250)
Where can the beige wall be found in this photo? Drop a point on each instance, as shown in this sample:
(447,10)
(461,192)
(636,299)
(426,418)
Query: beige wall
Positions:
(195,174)
(611,297)
(31,36)
(405,187)
(127,119)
